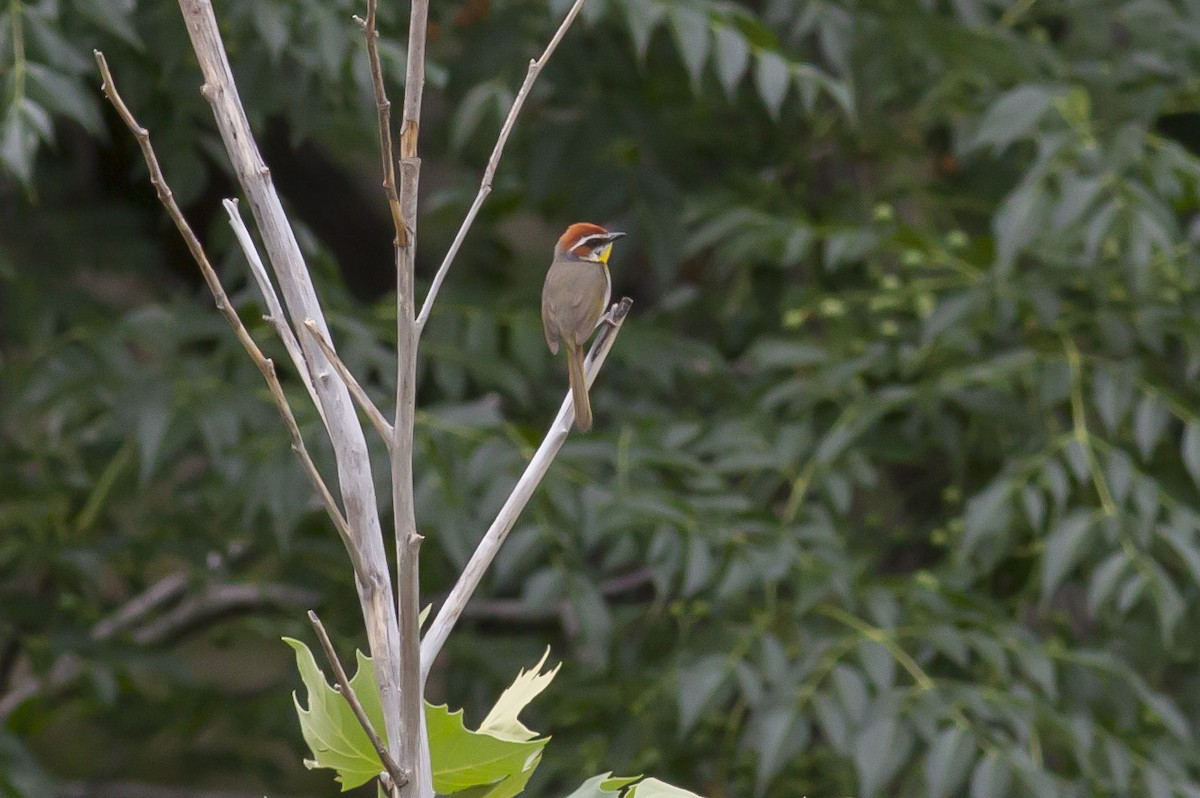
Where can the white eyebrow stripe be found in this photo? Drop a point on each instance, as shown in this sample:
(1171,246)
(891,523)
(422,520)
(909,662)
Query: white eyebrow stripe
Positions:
(583,240)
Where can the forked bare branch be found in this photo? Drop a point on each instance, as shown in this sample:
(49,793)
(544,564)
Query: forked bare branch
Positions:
(489,173)
(223,304)
(275,315)
(538,465)
(356,390)
(346,433)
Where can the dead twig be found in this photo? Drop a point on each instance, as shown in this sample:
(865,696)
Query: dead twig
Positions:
(383,108)
(343,686)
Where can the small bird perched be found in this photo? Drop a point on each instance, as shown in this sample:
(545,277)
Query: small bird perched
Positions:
(576,293)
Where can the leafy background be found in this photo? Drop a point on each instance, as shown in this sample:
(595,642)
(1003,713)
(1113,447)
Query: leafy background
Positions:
(893,489)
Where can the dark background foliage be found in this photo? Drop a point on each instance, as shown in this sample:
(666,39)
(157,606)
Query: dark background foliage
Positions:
(893,489)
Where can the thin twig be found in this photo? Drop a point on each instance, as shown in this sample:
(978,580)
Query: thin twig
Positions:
(383,107)
(485,187)
(223,304)
(275,315)
(356,390)
(472,575)
(343,687)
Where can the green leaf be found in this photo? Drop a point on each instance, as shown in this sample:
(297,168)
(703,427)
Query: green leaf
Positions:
(988,512)
(1063,549)
(63,94)
(470,111)
(1167,600)
(1149,422)
(502,721)
(1190,446)
(1112,395)
(872,755)
(947,762)
(991,777)
(852,691)
(508,787)
(463,758)
(1182,539)
(1120,765)
(1017,223)
(329,726)
(1157,783)
(776,733)
(1104,579)
(272,22)
(1012,116)
(25,124)
(603,785)
(643,17)
(732,56)
(773,78)
(653,788)
(788,353)
(878,663)
(114,16)
(1076,195)
(693,39)
(698,683)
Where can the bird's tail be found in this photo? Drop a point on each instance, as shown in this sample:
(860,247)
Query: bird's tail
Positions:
(579,393)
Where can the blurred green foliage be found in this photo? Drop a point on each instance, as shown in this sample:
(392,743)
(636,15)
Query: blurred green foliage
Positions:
(894,486)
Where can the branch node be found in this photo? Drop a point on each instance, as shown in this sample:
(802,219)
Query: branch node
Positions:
(376,418)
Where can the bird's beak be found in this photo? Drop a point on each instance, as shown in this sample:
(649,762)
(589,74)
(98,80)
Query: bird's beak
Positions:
(615,235)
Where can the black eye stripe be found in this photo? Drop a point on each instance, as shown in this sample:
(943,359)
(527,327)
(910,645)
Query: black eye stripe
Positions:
(588,241)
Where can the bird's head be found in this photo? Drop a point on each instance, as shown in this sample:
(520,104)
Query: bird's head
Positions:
(586,241)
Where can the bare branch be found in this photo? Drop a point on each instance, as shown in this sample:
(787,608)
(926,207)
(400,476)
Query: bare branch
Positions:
(218,600)
(383,107)
(343,687)
(413,754)
(489,173)
(223,305)
(65,670)
(472,575)
(356,390)
(164,590)
(214,601)
(276,317)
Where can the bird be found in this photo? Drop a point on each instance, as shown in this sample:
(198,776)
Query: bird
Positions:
(574,297)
